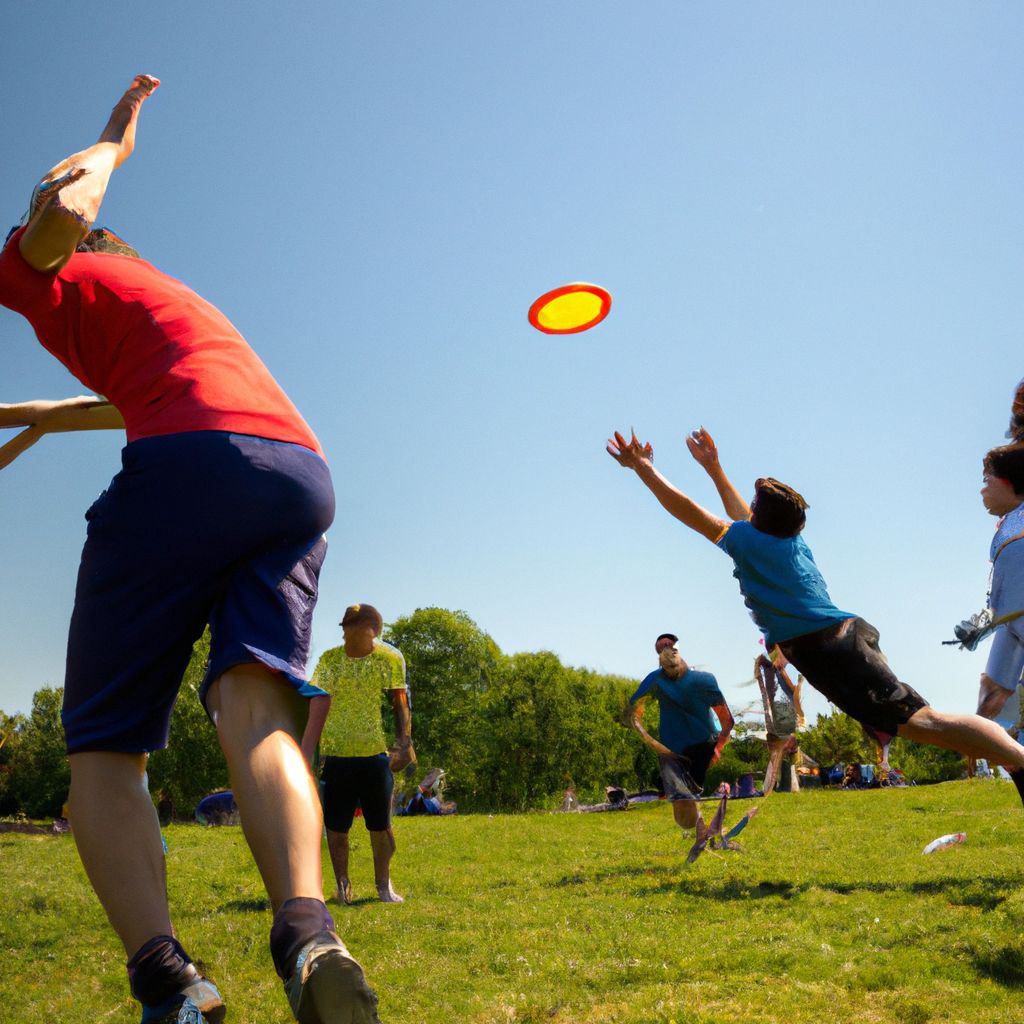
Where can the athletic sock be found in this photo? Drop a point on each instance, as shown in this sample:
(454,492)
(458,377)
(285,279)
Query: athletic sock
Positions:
(1018,780)
(298,921)
(159,970)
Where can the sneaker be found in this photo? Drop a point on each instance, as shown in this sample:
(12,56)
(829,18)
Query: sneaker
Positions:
(197,1003)
(328,987)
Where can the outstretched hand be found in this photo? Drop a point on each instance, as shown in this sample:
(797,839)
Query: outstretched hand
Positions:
(629,454)
(702,447)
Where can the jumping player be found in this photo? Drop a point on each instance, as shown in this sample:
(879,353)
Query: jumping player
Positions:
(217,517)
(835,651)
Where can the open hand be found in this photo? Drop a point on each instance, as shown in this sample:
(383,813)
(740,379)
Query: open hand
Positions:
(629,454)
(702,447)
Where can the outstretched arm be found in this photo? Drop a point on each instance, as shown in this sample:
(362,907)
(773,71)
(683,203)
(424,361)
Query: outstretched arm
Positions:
(86,412)
(43,417)
(67,201)
(639,458)
(703,448)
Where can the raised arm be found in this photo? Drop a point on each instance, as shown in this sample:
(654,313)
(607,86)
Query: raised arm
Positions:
(703,448)
(640,458)
(67,201)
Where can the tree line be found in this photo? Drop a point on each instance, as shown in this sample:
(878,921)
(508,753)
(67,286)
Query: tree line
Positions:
(512,731)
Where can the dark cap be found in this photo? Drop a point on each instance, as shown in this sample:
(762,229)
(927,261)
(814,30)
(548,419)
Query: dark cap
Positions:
(356,614)
(666,636)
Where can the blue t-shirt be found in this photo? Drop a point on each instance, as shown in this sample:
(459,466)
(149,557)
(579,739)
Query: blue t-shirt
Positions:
(685,705)
(780,583)
(1008,565)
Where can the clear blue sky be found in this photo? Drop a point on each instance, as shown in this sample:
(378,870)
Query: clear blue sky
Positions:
(809,216)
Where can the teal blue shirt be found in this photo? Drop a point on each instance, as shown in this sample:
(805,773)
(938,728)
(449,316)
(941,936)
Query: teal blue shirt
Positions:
(780,583)
(684,706)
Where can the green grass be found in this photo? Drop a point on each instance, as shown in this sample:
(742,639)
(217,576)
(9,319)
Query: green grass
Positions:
(832,915)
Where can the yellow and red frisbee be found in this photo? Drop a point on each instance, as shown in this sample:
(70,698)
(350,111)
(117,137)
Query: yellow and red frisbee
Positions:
(570,309)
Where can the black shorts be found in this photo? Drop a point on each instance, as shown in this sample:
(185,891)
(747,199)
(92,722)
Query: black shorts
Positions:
(351,782)
(683,774)
(844,663)
(201,527)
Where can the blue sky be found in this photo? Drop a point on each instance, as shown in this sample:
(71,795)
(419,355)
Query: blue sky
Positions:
(809,216)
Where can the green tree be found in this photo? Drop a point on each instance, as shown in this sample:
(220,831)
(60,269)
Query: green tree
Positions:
(11,727)
(39,767)
(450,662)
(922,763)
(192,764)
(837,739)
(549,726)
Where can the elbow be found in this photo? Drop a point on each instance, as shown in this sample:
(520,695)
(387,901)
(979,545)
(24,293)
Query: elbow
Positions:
(51,238)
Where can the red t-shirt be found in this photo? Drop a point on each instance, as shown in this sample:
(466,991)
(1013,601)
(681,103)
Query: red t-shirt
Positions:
(171,362)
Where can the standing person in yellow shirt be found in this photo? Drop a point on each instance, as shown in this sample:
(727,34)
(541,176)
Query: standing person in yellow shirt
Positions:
(357,768)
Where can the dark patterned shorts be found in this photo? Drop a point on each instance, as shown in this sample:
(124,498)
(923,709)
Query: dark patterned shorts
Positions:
(844,663)
(683,774)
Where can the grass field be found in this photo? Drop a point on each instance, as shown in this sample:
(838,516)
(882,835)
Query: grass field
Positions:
(831,915)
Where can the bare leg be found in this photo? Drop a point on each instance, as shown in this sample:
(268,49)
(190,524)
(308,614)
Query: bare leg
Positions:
(991,697)
(259,721)
(337,847)
(969,734)
(128,874)
(383,845)
(686,813)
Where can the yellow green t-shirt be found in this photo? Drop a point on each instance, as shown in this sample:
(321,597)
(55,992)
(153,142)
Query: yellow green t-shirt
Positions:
(353,727)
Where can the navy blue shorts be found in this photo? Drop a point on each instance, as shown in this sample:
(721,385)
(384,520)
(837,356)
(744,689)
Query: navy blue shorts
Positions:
(197,528)
(351,782)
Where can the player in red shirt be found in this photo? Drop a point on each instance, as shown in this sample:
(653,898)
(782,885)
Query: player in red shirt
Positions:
(217,517)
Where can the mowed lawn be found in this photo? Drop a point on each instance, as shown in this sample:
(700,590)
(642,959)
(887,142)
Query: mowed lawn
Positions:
(831,915)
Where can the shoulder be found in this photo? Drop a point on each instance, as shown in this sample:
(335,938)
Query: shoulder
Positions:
(389,650)
(736,535)
(331,659)
(647,685)
(703,681)
(19,282)
(391,657)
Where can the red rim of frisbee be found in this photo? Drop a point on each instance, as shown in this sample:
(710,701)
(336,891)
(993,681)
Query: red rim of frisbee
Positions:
(567,289)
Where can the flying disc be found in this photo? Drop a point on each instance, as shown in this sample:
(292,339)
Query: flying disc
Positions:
(570,309)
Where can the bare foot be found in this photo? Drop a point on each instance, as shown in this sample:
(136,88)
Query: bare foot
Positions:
(388,895)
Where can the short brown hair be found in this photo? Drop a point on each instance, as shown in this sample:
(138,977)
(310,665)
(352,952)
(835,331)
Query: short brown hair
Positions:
(778,509)
(360,614)
(1007,462)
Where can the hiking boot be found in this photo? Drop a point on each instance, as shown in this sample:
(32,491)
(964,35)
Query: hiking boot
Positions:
(197,1003)
(328,987)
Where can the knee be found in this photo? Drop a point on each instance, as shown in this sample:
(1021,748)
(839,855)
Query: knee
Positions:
(685,812)
(248,702)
